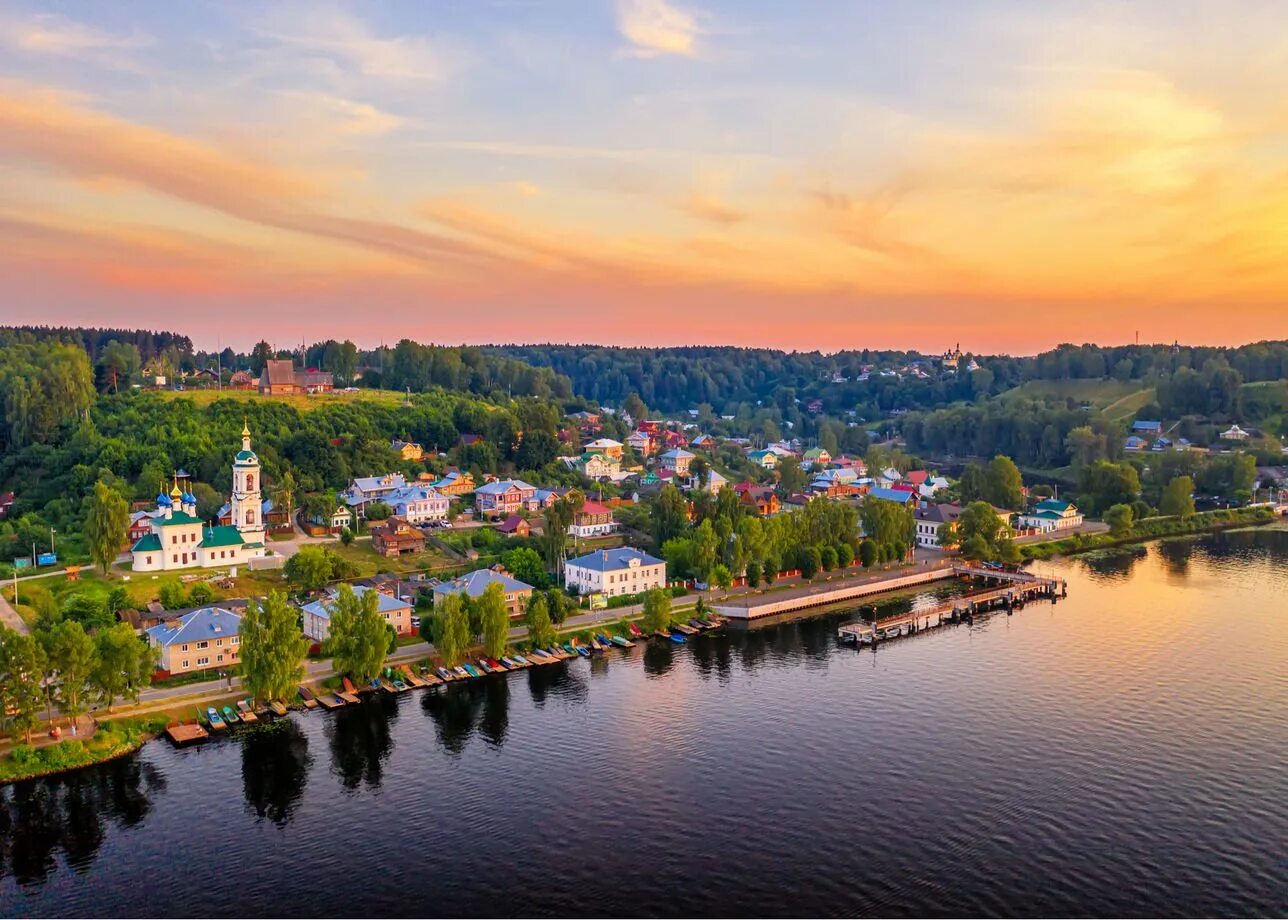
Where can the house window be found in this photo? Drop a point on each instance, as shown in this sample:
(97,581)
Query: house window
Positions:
(201,662)
(174,538)
(183,648)
(175,558)
(203,644)
(235,640)
(250,517)
(219,642)
(220,658)
(185,664)
(148,559)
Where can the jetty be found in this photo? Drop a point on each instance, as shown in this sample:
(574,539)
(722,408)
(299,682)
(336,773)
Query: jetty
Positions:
(1010,591)
(186,733)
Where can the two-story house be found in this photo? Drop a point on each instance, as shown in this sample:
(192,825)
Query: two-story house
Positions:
(505,497)
(615,572)
(207,638)
(473,584)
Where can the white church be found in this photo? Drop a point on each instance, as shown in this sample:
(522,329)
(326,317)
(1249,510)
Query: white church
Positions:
(181,540)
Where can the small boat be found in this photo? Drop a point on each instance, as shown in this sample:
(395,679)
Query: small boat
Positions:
(278,707)
(635,631)
(603,639)
(310,701)
(348,686)
(247,711)
(595,644)
(677,638)
(472,671)
(582,651)
(570,648)
(521,661)
(215,719)
(684,628)
(497,666)
(400,686)
(444,674)
(891,633)
(622,643)
(700,624)
(230,716)
(461,673)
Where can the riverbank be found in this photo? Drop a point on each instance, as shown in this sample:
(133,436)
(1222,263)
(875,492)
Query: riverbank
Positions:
(108,741)
(1153,529)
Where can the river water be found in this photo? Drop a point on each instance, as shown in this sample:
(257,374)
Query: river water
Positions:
(1122,752)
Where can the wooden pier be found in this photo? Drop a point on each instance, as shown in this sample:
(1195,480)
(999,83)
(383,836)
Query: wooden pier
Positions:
(186,733)
(1018,588)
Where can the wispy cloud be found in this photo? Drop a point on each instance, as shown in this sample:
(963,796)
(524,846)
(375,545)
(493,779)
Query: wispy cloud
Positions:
(350,43)
(655,27)
(57,36)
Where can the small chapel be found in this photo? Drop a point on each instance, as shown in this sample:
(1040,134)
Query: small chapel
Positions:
(181,540)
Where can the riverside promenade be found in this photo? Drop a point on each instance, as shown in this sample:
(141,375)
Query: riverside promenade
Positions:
(763,604)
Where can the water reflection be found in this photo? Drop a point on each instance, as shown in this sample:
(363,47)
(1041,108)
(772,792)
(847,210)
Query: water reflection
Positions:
(70,814)
(1114,564)
(659,657)
(275,769)
(361,740)
(713,655)
(495,720)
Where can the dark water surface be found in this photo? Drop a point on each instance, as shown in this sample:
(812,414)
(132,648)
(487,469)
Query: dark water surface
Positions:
(1123,752)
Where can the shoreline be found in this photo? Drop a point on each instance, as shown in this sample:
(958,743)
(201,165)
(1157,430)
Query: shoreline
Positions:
(1211,523)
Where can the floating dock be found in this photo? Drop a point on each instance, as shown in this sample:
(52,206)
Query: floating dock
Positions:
(183,734)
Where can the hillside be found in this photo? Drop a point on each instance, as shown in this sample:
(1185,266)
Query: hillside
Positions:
(1115,400)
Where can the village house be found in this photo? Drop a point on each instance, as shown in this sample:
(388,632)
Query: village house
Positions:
(515,526)
(677,460)
(714,482)
(505,497)
(1147,428)
(418,504)
(205,638)
(455,482)
(396,537)
(241,380)
(316,615)
(181,540)
(898,496)
(597,466)
(762,499)
(1052,514)
(587,422)
(641,442)
(408,450)
(473,584)
(339,518)
(592,520)
(614,572)
(605,446)
(364,490)
(281,378)
(815,458)
(1235,433)
(764,458)
(930,518)
(703,442)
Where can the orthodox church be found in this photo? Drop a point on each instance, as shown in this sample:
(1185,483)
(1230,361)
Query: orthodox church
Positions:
(181,540)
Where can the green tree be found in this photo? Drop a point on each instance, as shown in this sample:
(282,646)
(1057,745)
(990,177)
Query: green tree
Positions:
(811,562)
(377,511)
(1178,498)
(22,662)
(118,363)
(286,491)
(1104,484)
(357,640)
(791,478)
(868,553)
(494,619)
(346,537)
(525,564)
(107,515)
(309,568)
(125,664)
(973,485)
(721,577)
(844,555)
(200,594)
(272,648)
(827,557)
(172,596)
(541,632)
(669,516)
(452,629)
(657,610)
(71,658)
(1120,519)
(559,604)
(1005,486)
(753,571)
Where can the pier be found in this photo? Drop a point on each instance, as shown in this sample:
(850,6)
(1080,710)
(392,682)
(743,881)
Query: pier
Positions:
(1016,589)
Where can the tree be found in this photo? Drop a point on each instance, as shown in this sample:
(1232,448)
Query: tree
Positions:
(107,515)
(525,564)
(827,557)
(811,562)
(125,664)
(346,536)
(272,648)
(657,610)
(260,355)
(633,406)
(973,484)
(377,511)
(172,596)
(791,478)
(699,467)
(285,491)
(560,606)
(22,661)
(844,555)
(494,619)
(118,363)
(721,577)
(868,553)
(753,574)
(357,640)
(1005,486)
(1120,519)
(71,656)
(200,594)
(309,568)
(669,515)
(1178,498)
(452,629)
(1104,484)
(541,632)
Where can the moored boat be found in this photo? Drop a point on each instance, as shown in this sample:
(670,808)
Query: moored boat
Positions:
(230,715)
(310,701)
(215,719)
(278,707)
(677,638)
(622,643)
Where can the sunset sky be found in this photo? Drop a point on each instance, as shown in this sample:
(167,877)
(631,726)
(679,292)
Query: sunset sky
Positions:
(799,175)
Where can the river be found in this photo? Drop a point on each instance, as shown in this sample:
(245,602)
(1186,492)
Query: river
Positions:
(1120,753)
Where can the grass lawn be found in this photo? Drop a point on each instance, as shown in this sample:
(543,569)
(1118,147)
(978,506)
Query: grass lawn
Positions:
(368,562)
(1114,398)
(204,398)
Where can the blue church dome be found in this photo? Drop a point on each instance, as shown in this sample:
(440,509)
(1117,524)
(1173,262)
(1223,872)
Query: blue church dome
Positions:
(189,498)
(163,499)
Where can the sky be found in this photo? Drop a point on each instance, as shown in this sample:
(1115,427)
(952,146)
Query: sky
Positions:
(812,175)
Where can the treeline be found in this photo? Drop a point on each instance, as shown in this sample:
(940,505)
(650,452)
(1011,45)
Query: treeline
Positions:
(1032,433)
(150,344)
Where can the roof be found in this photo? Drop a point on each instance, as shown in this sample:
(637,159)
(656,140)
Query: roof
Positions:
(916,477)
(1045,515)
(510,524)
(224,535)
(201,625)
(150,543)
(384,602)
(503,485)
(891,495)
(604,443)
(178,517)
(475,583)
(376,483)
(939,514)
(1146,425)
(677,453)
(1054,504)
(607,560)
(593,507)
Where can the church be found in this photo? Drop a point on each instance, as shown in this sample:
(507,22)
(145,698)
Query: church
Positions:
(181,540)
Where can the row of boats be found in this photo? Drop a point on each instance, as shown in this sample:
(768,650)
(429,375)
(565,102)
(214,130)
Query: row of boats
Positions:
(403,678)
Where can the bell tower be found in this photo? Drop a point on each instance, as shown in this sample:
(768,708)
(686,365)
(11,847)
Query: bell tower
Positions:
(247,510)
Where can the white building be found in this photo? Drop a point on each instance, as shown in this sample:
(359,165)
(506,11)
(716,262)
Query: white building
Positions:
(181,540)
(418,504)
(615,572)
(1052,514)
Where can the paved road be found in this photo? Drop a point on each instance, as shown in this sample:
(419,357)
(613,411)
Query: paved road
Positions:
(9,617)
